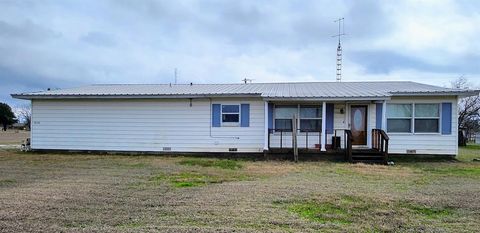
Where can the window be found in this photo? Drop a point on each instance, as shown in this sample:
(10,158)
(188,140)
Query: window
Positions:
(230,115)
(399,118)
(283,117)
(311,118)
(427,118)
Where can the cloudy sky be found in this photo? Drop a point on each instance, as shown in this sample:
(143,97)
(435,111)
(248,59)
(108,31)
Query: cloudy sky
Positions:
(67,43)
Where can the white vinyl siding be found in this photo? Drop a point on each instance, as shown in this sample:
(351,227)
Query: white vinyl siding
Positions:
(142,125)
(426,143)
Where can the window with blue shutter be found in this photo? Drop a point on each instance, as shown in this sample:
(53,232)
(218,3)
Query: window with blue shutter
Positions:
(330,115)
(216,113)
(379,115)
(446,118)
(270,116)
(245,115)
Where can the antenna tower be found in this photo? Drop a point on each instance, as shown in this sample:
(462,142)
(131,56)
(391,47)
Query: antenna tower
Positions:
(175,74)
(341,32)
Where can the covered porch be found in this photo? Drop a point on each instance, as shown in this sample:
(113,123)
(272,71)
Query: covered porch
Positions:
(354,129)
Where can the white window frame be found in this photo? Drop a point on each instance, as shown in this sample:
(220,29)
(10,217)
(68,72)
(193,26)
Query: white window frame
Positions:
(230,124)
(297,106)
(275,113)
(300,118)
(401,118)
(412,118)
(428,118)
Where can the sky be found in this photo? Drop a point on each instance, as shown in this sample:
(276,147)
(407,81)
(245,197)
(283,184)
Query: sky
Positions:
(66,43)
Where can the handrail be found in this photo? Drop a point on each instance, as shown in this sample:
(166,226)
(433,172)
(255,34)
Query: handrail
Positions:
(304,133)
(380,141)
(348,145)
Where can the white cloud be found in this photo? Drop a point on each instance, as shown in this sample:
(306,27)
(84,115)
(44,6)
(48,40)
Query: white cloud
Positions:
(59,44)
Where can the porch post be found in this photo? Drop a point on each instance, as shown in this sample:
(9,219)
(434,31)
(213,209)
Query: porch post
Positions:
(324,126)
(384,115)
(265,118)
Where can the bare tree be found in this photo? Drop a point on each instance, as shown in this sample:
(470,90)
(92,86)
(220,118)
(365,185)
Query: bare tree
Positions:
(24,114)
(468,111)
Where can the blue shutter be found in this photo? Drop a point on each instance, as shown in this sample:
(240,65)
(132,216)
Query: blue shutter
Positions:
(329,120)
(216,114)
(270,116)
(379,115)
(245,115)
(446,118)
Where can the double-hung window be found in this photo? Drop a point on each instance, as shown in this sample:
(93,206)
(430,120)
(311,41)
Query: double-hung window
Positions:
(427,118)
(311,118)
(283,117)
(424,117)
(230,115)
(399,118)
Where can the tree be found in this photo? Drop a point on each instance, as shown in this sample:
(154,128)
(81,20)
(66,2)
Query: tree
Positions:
(6,116)
(468,111)
(24,114)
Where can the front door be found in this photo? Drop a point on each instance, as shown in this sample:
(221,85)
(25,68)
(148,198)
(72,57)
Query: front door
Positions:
(358,122)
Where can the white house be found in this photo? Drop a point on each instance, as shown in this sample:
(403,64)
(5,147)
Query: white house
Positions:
(254,117)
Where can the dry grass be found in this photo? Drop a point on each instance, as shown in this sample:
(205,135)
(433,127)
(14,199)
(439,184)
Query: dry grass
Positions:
(13,137)
(118,193)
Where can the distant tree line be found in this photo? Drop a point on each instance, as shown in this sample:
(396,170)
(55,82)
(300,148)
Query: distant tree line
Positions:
(468,112)
(7,117)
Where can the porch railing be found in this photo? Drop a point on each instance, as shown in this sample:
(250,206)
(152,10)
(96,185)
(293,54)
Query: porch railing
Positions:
(286,134)
(348,145)
(380,141)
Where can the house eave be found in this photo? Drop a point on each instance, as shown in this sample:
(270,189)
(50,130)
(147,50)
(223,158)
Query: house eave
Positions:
(330,99)
(32,97)
(466,93)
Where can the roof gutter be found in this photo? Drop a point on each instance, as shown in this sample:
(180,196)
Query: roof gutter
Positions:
(321,99)
(30,97)
(466,93)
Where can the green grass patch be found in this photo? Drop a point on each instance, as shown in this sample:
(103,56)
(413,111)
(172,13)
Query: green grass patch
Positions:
(429,212)
(454,170)
(193,179)
(7,182)
(321,212)
(468,153)
(346,210)
(220,163)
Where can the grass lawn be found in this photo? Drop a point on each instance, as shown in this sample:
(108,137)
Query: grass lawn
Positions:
(75,192)
(13,137)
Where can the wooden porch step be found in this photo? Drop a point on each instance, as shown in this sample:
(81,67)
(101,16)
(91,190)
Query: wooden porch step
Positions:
(369,156)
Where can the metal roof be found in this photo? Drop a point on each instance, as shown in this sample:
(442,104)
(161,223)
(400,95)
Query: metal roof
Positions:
(313,90)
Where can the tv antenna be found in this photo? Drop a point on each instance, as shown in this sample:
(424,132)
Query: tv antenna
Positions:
(341,32)
(247,80)
(175,73)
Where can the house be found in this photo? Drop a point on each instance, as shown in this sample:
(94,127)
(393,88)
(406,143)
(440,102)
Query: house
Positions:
(18,126)
(410,117)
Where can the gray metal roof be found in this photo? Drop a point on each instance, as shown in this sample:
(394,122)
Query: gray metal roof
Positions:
(314,90)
